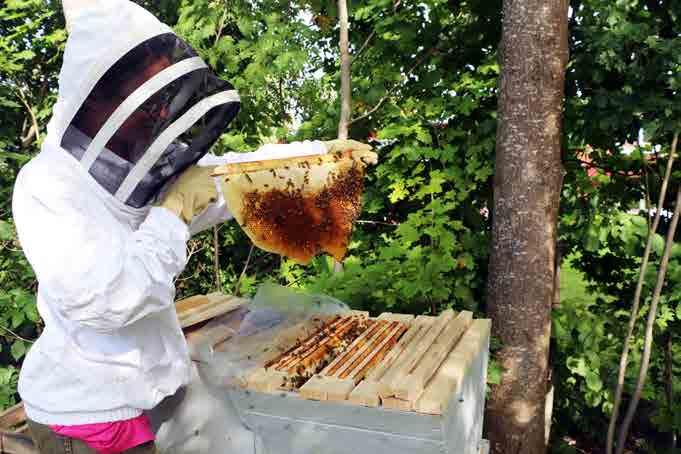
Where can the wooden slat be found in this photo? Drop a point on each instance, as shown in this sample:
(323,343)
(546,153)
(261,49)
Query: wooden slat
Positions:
(450,375)
(314,389)
(326,388)
(200,308)
(380,351)
(259,352)
(216,333)
(288,338)
(266,381)
(416,327)
(365,393)
(320,348)
(341,359)
(354,357)
(326,345)
(397,404)
(17,443)
(13,416)
(362,314)
(191,303)
(414,383)
(404,318)
(367,351)
(414,354)
(303,345)
(256,166)
(338,390)
(369,391)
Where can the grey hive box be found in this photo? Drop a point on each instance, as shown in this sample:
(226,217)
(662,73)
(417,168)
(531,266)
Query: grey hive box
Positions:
(446,417)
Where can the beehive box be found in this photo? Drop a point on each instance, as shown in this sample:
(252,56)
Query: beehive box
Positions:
(354,384)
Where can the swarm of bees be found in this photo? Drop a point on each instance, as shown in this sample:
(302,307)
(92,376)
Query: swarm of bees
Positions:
(300,207)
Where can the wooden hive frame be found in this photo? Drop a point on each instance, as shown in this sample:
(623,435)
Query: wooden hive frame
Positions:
(298,361)
(397,361)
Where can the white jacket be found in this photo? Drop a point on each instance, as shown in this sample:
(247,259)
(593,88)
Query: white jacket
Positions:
(112,344)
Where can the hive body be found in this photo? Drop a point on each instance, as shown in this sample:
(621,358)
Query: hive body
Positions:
(401,384)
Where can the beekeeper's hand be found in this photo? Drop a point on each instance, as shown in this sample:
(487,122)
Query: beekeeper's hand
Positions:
(346,145)
(191,193)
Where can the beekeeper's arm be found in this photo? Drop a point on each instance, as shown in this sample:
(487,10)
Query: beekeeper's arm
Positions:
(93,274)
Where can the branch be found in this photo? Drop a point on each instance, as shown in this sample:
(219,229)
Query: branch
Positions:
(4,328)
(28,138)
(34,120)
(218,35)
(364,45)
(392,224)
(216,258)
(650,324)
(237,287)
(371,35)
(624,358)
(394,87)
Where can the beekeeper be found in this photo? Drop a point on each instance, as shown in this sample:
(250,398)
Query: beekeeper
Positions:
(104,213)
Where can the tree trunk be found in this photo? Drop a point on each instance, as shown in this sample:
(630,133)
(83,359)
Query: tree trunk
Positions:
(527,183)
(345,94)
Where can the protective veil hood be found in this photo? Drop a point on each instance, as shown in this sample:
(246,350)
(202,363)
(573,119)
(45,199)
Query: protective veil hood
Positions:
(136,105)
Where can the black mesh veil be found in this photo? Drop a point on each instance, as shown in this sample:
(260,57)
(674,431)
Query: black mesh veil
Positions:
(155,112)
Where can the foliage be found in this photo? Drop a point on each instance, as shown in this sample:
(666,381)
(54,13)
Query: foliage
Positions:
(623,79)
(423,244)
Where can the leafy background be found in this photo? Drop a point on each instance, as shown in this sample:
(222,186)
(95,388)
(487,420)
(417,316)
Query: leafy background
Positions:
(424,87)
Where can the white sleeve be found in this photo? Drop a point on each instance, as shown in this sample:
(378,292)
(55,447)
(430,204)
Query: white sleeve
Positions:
(92,270)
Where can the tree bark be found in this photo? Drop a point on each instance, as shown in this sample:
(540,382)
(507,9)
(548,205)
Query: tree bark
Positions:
(527,183)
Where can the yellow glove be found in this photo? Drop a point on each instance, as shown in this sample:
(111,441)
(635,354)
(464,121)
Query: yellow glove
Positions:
(191,193)
(333,146)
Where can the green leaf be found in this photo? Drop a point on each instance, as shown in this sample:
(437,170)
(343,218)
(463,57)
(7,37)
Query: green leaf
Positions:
(5,102)
(6,231)
(408,233)
(399,191)
(593,381)
(494,372)
(18,350)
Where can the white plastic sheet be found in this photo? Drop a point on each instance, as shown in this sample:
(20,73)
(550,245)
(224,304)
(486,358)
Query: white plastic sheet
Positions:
(205,417)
